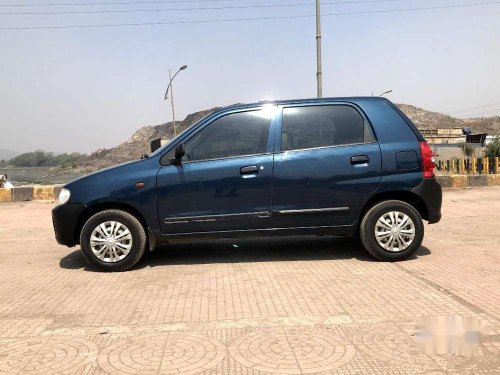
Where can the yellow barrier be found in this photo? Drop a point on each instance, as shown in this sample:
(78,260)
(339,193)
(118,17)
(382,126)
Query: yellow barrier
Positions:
(494,180)
(459,181)
(5,195)
(472,166)
(30,193)
(43,193)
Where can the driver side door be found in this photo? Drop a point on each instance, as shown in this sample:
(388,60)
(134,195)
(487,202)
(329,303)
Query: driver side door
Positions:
(224,180)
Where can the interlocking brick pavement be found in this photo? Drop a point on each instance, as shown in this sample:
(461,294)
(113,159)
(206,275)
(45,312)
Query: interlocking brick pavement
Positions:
(312,305)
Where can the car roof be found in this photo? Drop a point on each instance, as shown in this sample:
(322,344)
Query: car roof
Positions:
(351,99)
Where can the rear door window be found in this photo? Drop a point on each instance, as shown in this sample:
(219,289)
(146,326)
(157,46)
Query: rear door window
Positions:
(323,126)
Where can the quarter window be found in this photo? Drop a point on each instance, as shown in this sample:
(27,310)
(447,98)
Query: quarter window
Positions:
(232,135)
(323,126)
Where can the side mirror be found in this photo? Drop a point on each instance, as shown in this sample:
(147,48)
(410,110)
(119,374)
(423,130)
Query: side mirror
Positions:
(155,144)
(179,153)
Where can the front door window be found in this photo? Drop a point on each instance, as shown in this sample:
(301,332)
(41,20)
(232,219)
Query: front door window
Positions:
(237,134)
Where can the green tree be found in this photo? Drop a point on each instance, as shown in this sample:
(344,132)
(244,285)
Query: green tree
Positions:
(43,159)
(492,149)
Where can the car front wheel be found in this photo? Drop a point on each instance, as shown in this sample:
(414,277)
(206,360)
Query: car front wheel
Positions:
(392,230)
(113,240)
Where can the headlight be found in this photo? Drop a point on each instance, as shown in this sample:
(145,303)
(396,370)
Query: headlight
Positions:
(64,196)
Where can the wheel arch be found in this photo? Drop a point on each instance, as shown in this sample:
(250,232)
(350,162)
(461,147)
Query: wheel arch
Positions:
(401,195)
(92,210)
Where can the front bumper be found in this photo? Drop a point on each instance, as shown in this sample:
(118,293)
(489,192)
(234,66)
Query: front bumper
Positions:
(65,219)
(432,195)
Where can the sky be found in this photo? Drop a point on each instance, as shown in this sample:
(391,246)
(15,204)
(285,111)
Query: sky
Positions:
(82,89)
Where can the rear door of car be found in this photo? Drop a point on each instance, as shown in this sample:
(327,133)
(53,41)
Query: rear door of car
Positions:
(327,162)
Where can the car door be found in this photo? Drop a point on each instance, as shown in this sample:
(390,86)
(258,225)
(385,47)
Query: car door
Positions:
(327,164)
(224,180)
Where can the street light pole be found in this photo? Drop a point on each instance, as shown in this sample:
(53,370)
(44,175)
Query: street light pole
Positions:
(172,101)
(319,73)
(386,92)
(171,88)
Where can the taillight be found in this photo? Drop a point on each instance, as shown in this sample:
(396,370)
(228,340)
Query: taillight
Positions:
(427,160)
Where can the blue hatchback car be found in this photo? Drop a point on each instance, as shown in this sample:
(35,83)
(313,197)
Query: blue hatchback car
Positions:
(338,166)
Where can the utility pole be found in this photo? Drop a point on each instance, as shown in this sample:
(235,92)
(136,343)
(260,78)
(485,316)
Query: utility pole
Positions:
(172,101)
(319,74)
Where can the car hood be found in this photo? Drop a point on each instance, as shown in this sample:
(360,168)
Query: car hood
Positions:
(116,182)
(117,168)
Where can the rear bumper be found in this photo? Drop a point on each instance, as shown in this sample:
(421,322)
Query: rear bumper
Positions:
(432,195)
(65,219)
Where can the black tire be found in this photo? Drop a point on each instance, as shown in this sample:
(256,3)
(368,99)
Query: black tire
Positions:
(131,223)
(367,230)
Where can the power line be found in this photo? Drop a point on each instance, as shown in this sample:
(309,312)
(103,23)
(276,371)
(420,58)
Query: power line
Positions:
(256,6)
(156,2)
(223,20)
(107,3)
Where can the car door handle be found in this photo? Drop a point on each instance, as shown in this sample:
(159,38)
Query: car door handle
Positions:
(359,159)
(249,169)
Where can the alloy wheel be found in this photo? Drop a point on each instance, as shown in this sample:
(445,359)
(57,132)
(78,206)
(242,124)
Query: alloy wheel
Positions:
(394,231)
(111,241)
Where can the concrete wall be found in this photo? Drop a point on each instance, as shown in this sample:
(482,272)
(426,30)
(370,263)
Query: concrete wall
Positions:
(30,193)
(463,181)
(448,151)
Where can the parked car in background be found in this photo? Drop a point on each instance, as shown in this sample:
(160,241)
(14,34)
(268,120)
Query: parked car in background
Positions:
(339,166)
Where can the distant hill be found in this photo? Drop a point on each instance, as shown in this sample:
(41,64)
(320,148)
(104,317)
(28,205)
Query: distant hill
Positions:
(139,143)
(433,120)
(8,154)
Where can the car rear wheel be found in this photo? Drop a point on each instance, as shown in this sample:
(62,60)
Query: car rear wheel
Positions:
(113,240)
(392,230)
